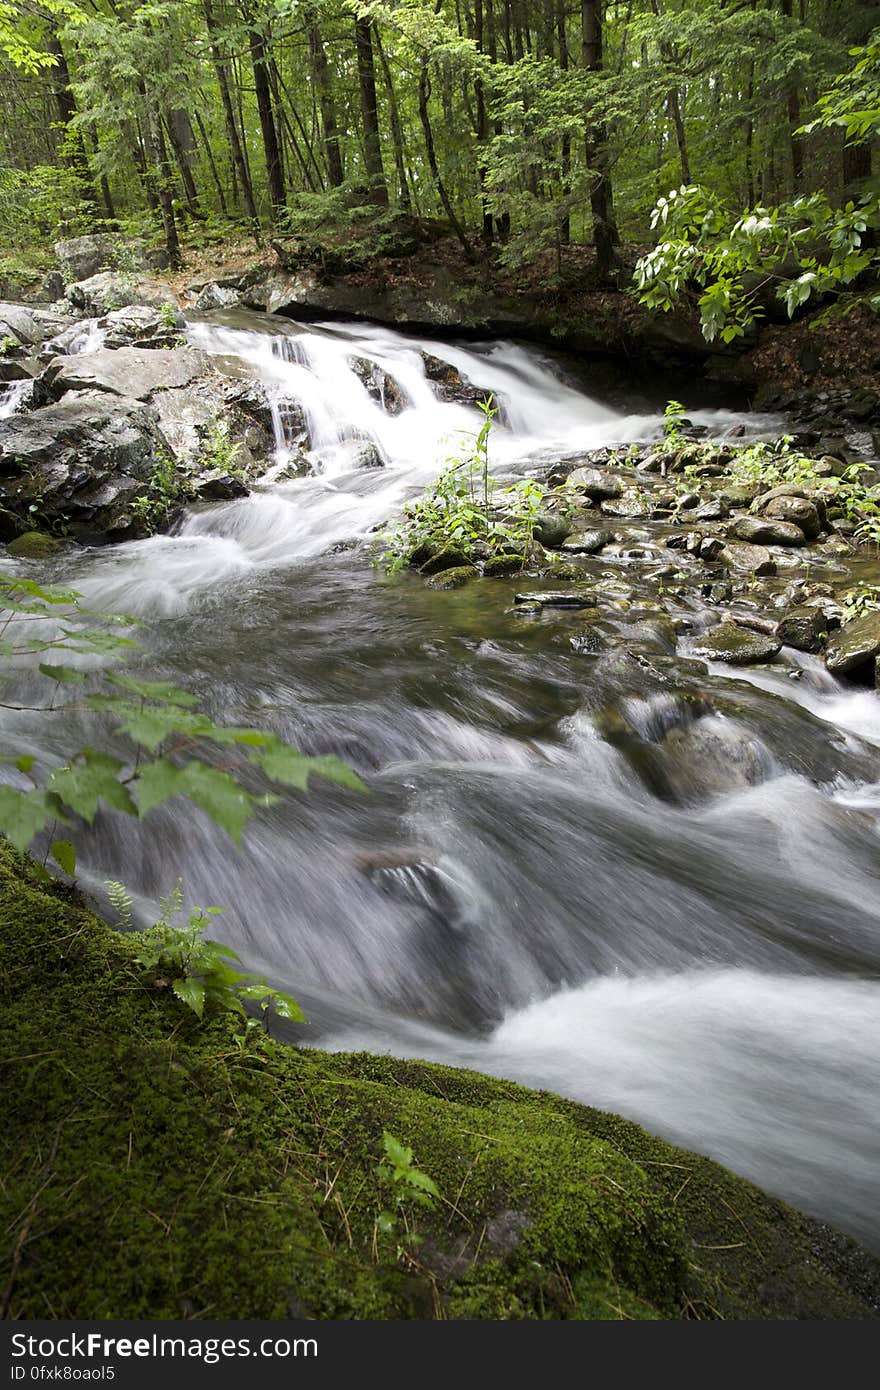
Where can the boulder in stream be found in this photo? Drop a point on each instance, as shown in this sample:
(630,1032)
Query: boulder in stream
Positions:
(81,462)
(737,646)
(800,511)
(756,530)
(854,648)
(135,372)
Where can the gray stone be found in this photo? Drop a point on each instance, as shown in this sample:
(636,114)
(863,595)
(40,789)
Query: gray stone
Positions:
(19,323)
(133,371)
(102,293)
(802,628)
(559,598)
(551,530)
(854,645)
(142,324)
(82,460)
(215,296)
(596,483)
(367,456)
(83,256)
(586,542)
(757,530)
(378,384)
(797,510)
(631,504)
(735,645)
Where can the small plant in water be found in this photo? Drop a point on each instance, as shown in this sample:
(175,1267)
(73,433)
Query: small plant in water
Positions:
(198,971)
(466,510)
(673,421)
(169,489)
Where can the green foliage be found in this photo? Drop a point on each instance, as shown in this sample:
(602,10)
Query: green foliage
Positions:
(168,315)
(170,489)
(199,971)
(217,450)
(673,422)
(407,1183)
(863,598)
(165,746)
(466,510)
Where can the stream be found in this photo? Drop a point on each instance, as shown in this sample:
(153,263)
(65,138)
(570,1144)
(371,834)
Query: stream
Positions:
(586,861)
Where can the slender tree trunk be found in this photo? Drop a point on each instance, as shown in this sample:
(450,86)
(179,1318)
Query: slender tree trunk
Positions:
(601,199)
(323,85)
(363,30)
(562,43)
(235,147)
(180,137)
(482,130)
(793,111)
(163,182)
(442,192)
(396,128)
(271,148)
(209,154)
(73,150)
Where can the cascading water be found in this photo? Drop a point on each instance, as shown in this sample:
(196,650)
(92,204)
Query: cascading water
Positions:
(677,920)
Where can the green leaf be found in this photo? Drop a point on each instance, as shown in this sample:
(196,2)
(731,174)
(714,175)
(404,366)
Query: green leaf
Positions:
(84,785)
(24,814)
(154,690)
(284,764)
(192,992)
(151,725)
(216,792)
(64,855)
(64,675)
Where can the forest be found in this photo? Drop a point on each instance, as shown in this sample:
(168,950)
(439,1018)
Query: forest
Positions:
(439,663)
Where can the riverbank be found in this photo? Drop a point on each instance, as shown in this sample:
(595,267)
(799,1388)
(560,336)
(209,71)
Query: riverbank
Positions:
(158,1167)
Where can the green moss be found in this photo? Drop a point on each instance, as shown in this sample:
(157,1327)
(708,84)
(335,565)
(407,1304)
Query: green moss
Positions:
(33,545)
(152,1166)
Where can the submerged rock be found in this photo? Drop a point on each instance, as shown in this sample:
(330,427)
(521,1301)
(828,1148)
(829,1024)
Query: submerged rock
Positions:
(559,598)
(586,542)
(735,645)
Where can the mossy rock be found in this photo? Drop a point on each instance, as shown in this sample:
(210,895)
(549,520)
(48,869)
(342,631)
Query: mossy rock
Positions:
(33,545)
(453,578)
(154,1168)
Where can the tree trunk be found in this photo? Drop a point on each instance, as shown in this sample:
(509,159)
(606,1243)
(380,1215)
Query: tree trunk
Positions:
(793,111)
(271,148)
(324,87)
(209,153)
(442,193)
(235,147)
(363,29)
(73,150)
(396,128)
(601,198)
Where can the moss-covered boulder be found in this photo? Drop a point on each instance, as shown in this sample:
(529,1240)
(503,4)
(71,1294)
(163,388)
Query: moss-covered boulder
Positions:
(33,545)
(155,1166)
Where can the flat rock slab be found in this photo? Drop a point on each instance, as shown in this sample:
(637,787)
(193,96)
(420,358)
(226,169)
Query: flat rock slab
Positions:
(735,645)
(854,645)
(559,598)
(128,371)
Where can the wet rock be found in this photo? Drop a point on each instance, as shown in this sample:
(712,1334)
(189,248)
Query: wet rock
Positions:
(33,545)
(382,387)
(757,530)
(551,530)
(586,542)
(708,758)
(21,324)
(562,571)
(82,460)
(215,296)
(855,646)
(559,598)
(527,609)
(218,485)
(739,494)
(797,510)
(802,628)
(632,504)
(714,510)
(590,642)
(436,560)
(453,578)
(596,483)
(502,564)
(687,501)
(141,324)
(711,547)
(133,372)
(28,395)
(449,384)
(735,645)
(367,455)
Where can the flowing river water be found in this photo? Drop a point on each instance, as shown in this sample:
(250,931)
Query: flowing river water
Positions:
(586,861)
